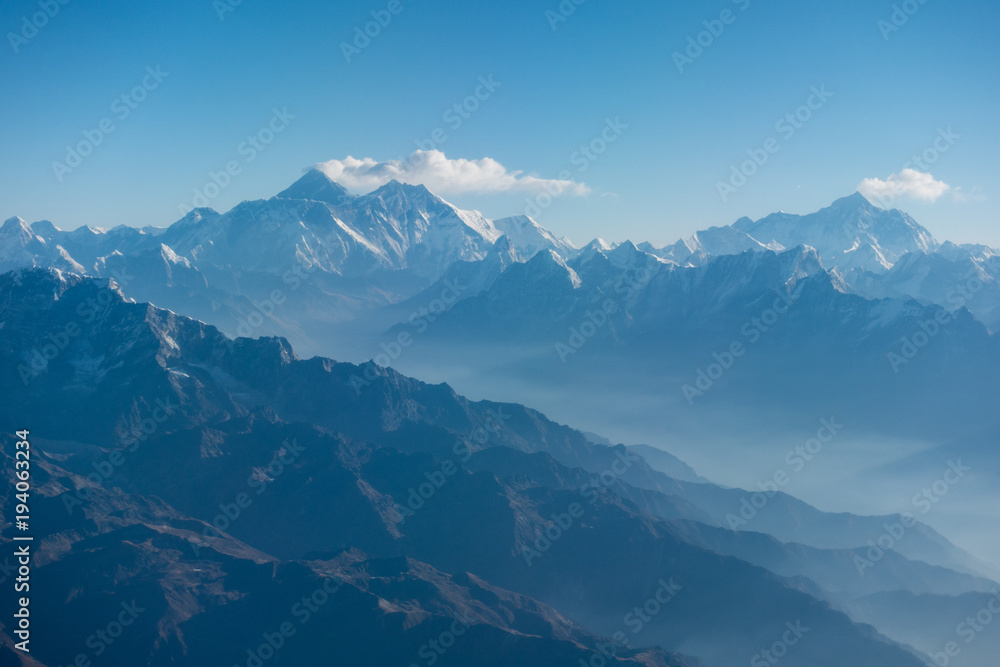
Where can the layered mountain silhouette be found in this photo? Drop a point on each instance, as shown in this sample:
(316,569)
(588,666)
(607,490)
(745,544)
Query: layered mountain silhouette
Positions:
(197,462)
(329,478)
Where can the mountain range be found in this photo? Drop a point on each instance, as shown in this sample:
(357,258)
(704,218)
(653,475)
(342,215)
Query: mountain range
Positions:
(266,477)
(342,258)
(200,454)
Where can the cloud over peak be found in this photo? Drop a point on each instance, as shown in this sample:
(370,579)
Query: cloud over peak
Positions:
(443,175)
(907,183)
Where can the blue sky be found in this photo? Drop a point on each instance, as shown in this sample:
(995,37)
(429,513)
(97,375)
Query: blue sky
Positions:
(892,94)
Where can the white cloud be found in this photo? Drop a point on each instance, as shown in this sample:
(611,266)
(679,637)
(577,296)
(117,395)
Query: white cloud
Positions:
(442,175)
(907,183)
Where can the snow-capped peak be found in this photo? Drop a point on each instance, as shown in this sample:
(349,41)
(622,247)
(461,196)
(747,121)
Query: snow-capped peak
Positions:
(529,238)
(315,185)
(850,233)
(550,262)
(15,225)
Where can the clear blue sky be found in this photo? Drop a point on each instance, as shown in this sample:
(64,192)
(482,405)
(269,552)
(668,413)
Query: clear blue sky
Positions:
(658,181)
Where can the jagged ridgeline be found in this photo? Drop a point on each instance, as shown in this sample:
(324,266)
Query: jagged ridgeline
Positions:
(207,473)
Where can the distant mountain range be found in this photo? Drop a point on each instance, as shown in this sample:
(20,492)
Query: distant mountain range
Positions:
(379,248)
(505,308)
(263,478)
(197,461)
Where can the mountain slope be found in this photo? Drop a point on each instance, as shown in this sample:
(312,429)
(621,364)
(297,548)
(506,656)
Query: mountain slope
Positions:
(228,415)
(850,233)
(123,557)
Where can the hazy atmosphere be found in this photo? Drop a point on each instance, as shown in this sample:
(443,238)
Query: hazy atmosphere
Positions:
(405,334)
